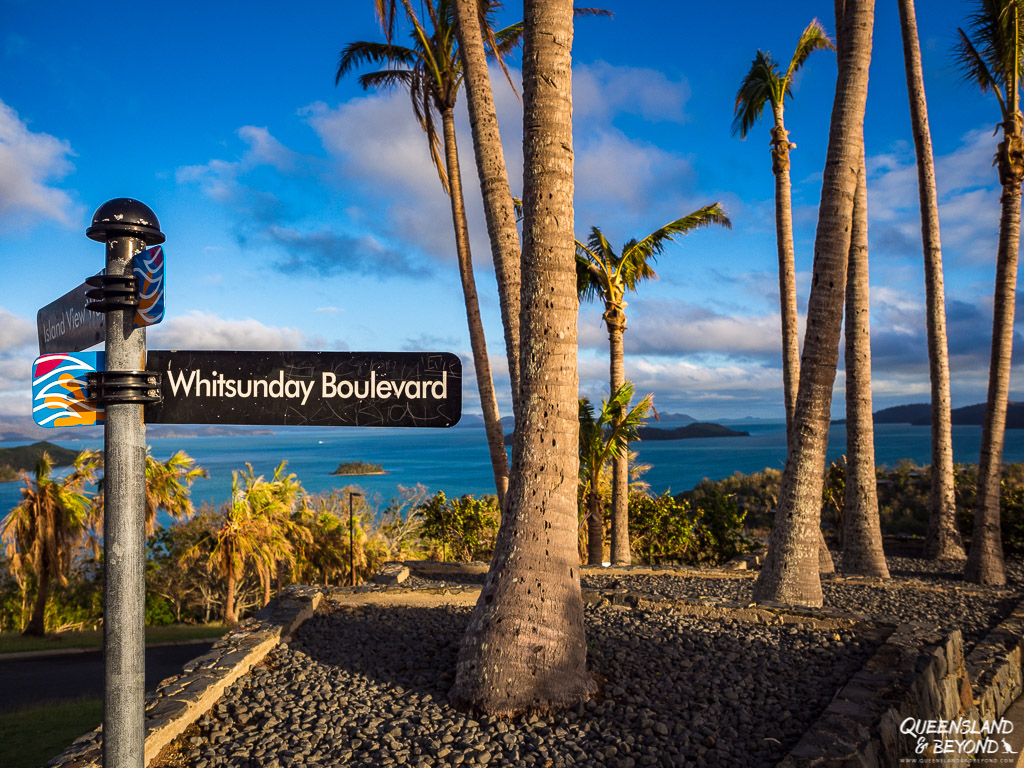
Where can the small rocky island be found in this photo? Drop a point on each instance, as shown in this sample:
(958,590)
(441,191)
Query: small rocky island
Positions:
(351,468)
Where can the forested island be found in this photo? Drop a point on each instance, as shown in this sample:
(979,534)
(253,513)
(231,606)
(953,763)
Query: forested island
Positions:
(351,468)
(25,457)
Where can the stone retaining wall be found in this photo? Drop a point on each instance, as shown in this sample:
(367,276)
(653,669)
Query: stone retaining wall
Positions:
(181,700)
(919,677)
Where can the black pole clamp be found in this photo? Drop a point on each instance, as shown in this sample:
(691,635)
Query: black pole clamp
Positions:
(120,387)
(112,292)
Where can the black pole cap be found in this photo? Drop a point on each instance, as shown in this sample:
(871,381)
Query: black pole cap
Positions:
(125,216)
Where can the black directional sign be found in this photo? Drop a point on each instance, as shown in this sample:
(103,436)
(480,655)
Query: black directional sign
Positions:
(65,325)
(349,389)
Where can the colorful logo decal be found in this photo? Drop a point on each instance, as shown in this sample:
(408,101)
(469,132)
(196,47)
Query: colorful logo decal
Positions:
(58,390)
(149,276)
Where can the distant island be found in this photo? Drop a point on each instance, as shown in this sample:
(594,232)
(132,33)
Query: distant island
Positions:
(690,431)
(25,457)
(920,415)
(358,468)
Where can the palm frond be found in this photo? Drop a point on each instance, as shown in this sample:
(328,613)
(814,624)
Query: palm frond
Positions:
(974,69)
(636,254)
(579,12)
(386,79)
(761,85)
(814,38)
(364,52)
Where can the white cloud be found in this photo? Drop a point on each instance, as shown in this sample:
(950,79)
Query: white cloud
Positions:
(29,163)
(17,351)
(203,330)
(603,91)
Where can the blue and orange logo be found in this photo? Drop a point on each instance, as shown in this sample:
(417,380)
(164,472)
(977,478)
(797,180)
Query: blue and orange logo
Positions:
(149,277)
(58,390)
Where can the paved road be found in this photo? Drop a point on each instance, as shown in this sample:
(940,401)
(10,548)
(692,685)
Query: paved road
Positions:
(24,682)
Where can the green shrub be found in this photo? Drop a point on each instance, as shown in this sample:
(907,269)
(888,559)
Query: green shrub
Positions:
(702,527)
(464,528)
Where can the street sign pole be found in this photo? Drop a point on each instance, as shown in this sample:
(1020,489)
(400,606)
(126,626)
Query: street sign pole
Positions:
(126,226)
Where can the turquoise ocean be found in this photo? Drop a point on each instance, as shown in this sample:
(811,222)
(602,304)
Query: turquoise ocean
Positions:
(456,460)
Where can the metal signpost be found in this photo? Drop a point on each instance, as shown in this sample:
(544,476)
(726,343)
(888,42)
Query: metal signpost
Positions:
(123,389)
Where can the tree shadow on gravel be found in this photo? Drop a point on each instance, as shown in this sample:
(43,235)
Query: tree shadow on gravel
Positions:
(678,689)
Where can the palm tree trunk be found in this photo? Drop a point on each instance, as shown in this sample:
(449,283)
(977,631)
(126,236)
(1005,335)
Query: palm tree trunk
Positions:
(37,624)
(490,164)
(616,322)
(525,646)
(477,340)
(790,571)
(985,559)
(595,525)
(230,618)
(787,265)
(943,541)
(862,532)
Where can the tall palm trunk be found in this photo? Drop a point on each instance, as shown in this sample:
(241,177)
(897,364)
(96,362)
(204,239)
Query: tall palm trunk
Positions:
(525,646)
(477,340)
(615,319)
(790,571)
(787,264)
(490,163)
(595,525)
(862,533)
(985,559)
(787,289)
(231,577)
(37,624)
(943,540)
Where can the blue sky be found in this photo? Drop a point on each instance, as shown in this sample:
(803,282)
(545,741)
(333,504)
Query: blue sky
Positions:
(300,215)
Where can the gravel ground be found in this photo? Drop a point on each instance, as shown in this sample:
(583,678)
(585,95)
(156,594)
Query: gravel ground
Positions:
(920,590)
(367,686)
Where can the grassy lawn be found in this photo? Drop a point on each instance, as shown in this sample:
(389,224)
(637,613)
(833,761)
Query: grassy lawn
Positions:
(14,642)
(30,737)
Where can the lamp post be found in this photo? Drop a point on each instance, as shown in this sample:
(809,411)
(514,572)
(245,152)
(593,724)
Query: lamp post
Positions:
(352,538)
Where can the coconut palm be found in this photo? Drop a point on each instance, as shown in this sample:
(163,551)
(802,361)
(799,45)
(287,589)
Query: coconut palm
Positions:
(252,528)
(862,532)
(431,71)
(943,539)
(790,571)
(990,56)
(525,646)
(603,436)
(41,532)
(167,487)
(765,85)
(602,273)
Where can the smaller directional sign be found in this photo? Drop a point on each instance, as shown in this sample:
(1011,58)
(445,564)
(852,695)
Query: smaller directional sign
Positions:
(354,389)
(58,390)
(65,325)
(149,279)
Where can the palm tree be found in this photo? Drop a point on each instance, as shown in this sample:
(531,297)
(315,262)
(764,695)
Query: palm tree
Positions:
(602,436)
(167,487)
(432,73)
(790,571)
(862,533)
(763,85)
(252,528)
(992,60)
(41,532)
(525,646)
(602,273)
(471,24)
(943,539)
